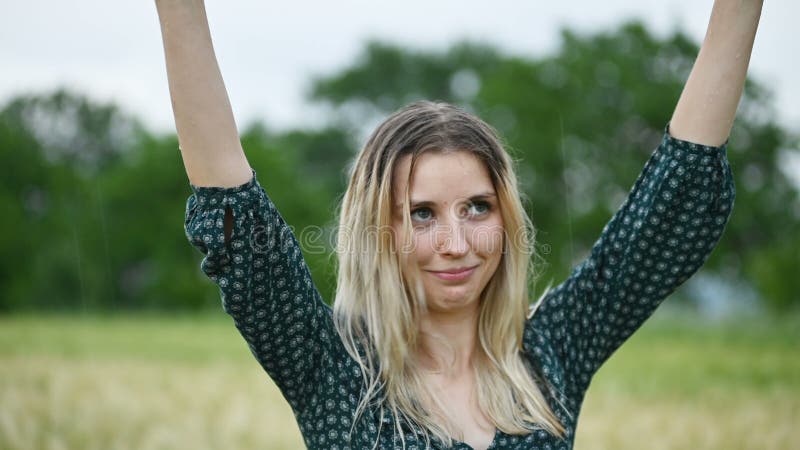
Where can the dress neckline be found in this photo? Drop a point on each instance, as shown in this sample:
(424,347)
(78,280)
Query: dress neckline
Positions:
(490,447)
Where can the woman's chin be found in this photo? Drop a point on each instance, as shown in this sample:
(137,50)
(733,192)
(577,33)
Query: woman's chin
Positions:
(453,298)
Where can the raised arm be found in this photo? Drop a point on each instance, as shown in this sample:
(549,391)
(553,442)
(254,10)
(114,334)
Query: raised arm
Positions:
(707,106)
(207,135)
(669,224)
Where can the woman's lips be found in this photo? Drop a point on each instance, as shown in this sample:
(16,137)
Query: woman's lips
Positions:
(454,275)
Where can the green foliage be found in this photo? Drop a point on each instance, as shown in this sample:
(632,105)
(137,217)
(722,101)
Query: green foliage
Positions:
(93,203)
(94,216)
(581,123)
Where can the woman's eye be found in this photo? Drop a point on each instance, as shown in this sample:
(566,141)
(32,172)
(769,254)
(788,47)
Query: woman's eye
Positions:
(478,208)
(421,214)
(468,210)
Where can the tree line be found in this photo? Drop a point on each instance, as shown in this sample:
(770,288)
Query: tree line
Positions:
(93,202)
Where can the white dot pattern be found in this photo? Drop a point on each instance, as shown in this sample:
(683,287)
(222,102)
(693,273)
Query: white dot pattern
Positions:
(662,234)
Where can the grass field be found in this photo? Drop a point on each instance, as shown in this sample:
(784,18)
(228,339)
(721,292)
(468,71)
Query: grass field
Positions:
(149,382)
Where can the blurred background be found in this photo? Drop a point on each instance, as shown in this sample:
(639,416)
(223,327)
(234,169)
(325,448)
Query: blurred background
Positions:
(111,337)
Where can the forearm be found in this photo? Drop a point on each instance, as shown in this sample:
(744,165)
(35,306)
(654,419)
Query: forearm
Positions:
(707,107)
(207,133)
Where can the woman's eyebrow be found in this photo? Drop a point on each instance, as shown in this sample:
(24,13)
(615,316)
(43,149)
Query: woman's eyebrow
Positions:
(416,204)
(420,203)
(484,195)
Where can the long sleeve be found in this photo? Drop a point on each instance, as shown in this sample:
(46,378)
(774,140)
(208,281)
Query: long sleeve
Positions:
(264,283)
(661,235)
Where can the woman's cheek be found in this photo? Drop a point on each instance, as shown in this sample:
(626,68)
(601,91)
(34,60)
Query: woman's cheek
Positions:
(423,245)
(487,239)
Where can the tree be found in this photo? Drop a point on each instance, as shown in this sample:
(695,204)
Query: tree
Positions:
(94,216)
(582,122)
(93,203)
(53,147)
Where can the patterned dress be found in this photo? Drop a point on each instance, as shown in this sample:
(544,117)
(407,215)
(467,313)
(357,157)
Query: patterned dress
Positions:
(661,235)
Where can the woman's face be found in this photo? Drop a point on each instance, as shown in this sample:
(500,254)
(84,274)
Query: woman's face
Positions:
(457,238)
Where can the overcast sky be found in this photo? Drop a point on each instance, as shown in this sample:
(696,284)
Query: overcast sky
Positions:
(111,50)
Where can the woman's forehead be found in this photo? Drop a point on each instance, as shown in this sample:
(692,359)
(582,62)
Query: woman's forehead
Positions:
(442,176)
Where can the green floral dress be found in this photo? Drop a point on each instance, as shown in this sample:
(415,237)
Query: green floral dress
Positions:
(661,235)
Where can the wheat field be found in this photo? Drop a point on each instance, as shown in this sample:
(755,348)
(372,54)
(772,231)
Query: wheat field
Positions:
(148,382)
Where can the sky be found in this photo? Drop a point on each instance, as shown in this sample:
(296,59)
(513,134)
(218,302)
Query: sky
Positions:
(269,51)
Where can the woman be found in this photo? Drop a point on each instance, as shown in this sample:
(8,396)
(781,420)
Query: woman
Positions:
(428,344)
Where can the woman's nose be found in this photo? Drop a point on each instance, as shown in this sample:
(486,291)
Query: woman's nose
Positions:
(451,238)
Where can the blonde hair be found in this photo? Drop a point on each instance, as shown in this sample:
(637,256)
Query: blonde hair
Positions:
(376,307)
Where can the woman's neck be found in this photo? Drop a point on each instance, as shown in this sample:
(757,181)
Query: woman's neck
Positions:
(448,341)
